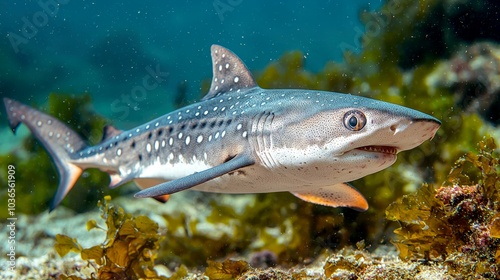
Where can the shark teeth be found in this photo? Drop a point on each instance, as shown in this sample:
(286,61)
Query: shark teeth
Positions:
(380,149)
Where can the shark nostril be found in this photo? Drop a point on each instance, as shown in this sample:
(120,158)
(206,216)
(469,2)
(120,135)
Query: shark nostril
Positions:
(393,128)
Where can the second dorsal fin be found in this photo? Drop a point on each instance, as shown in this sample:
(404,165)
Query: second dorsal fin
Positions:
(229,73)
(109,131)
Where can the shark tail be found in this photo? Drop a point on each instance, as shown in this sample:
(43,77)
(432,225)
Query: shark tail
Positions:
(60,141)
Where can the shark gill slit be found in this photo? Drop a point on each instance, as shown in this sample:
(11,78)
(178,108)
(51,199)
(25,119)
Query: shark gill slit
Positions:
(262,140)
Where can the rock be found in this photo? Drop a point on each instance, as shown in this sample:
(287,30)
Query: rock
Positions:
(472,76)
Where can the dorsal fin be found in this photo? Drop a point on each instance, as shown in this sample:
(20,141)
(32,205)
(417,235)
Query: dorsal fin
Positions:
(109,131)
(229,73)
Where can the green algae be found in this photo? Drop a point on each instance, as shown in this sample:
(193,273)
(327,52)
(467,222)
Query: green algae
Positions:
(128,251)
(458,222)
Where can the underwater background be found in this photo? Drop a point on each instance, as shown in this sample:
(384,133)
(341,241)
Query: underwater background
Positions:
(106,48)
(434,214)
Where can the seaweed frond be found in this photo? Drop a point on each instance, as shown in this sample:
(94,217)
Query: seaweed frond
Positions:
(461,219)
(226,270)
(129,250)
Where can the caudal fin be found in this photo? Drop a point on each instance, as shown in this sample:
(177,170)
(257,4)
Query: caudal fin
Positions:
(58,139)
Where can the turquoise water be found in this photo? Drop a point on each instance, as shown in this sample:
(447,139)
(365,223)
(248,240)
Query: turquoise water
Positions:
(107,48)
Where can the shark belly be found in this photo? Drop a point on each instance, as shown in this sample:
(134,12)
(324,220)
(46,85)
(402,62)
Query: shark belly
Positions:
(168,171)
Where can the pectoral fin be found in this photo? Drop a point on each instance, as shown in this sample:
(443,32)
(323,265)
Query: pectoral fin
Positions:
(146,183)
(338,195)
(196,178)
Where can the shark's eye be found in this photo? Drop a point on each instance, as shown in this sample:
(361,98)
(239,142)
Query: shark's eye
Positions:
(354,120)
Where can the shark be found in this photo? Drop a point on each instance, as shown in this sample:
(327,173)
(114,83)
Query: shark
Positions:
(240,138)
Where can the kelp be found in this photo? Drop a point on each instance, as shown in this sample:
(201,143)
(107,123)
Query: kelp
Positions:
(128,251)
(459,221)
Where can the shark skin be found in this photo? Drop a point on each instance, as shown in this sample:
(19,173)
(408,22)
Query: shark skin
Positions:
(241,138)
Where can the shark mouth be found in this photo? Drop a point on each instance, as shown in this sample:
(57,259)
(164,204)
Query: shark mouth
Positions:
(379,149)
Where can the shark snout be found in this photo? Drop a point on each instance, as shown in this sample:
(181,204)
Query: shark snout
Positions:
(409,134)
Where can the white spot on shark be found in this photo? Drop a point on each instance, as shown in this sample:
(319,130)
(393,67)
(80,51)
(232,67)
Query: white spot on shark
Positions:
(199,139)
(180,135)
(171,141)
(148,147)
(119,152)
(244,134)
(157,145)
(239,126)
(236,79)
(39,123)
(188,140)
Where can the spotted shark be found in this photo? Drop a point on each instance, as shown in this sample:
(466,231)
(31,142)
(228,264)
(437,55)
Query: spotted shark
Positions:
(241,138)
